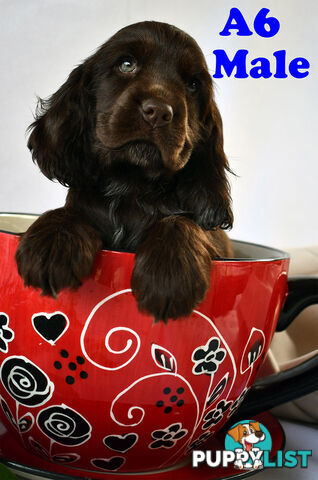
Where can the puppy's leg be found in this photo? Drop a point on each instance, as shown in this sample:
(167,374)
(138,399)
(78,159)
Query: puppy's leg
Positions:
(57,251)
(172,268)
(222,244)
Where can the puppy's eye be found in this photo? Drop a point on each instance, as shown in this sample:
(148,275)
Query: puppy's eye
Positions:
(245,432)
(252,430)
(128,65)
(193,85)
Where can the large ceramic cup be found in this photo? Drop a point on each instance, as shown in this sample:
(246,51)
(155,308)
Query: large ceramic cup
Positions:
(89,382)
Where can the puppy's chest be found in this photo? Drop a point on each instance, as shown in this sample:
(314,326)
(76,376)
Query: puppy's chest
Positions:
(131,216)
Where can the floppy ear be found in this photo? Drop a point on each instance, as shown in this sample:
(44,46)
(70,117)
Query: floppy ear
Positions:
(208,191)
(218,168)
(235,433)
(256,426)
(61,136)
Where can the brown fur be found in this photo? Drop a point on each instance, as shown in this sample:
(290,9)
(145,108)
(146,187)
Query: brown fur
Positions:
(237,433)
(142,155)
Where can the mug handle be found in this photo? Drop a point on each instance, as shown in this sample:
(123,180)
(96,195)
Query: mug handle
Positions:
(297,381)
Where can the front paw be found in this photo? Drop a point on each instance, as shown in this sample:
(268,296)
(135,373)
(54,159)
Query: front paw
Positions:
(53,255)
(171,277)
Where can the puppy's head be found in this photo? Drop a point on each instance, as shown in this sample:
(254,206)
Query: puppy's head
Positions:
(247,434)
(153,97)
(144,98)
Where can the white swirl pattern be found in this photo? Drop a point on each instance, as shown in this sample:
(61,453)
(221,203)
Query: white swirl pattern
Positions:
(132,339)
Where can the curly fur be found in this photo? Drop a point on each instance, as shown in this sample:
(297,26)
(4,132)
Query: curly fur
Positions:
(130,181)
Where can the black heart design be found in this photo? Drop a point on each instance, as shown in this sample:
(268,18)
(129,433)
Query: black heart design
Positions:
(112,464)
(50,326)
(121,443)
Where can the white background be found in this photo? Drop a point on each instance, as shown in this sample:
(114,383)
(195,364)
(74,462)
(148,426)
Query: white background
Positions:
(270,125)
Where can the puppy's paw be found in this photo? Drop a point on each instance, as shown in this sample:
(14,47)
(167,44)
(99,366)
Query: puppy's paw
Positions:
(54,254)
(172,269)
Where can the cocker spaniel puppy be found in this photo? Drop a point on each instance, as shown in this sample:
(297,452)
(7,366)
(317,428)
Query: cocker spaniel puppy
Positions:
(135,134)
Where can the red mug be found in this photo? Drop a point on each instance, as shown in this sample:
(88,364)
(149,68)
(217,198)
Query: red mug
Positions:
(92,385)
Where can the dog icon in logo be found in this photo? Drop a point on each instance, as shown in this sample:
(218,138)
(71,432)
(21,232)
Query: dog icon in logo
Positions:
(248,434)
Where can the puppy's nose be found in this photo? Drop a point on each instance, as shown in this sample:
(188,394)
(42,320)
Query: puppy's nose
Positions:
(157,113)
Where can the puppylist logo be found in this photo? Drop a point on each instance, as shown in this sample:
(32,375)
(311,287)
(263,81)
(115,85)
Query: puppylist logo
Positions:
(248,440)
(248,446)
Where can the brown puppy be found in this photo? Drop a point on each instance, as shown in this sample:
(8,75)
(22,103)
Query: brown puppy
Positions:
(136,136)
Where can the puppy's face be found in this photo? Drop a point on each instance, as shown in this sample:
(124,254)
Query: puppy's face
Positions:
(247,434)
(152,96)
(144,100)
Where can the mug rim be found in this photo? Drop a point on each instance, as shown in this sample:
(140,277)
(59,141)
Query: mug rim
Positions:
(270,254)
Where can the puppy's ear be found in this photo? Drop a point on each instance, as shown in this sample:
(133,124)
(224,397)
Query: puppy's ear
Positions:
(218,168)
(235,433)
(256,426)
(61,136)
(205,189)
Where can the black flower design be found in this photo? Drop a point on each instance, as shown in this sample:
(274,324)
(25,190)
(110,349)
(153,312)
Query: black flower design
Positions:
(215,416)
(167,437)
(235,405)
(207,358)
(199,441)
(64,425)
(25,382)
(6,334)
